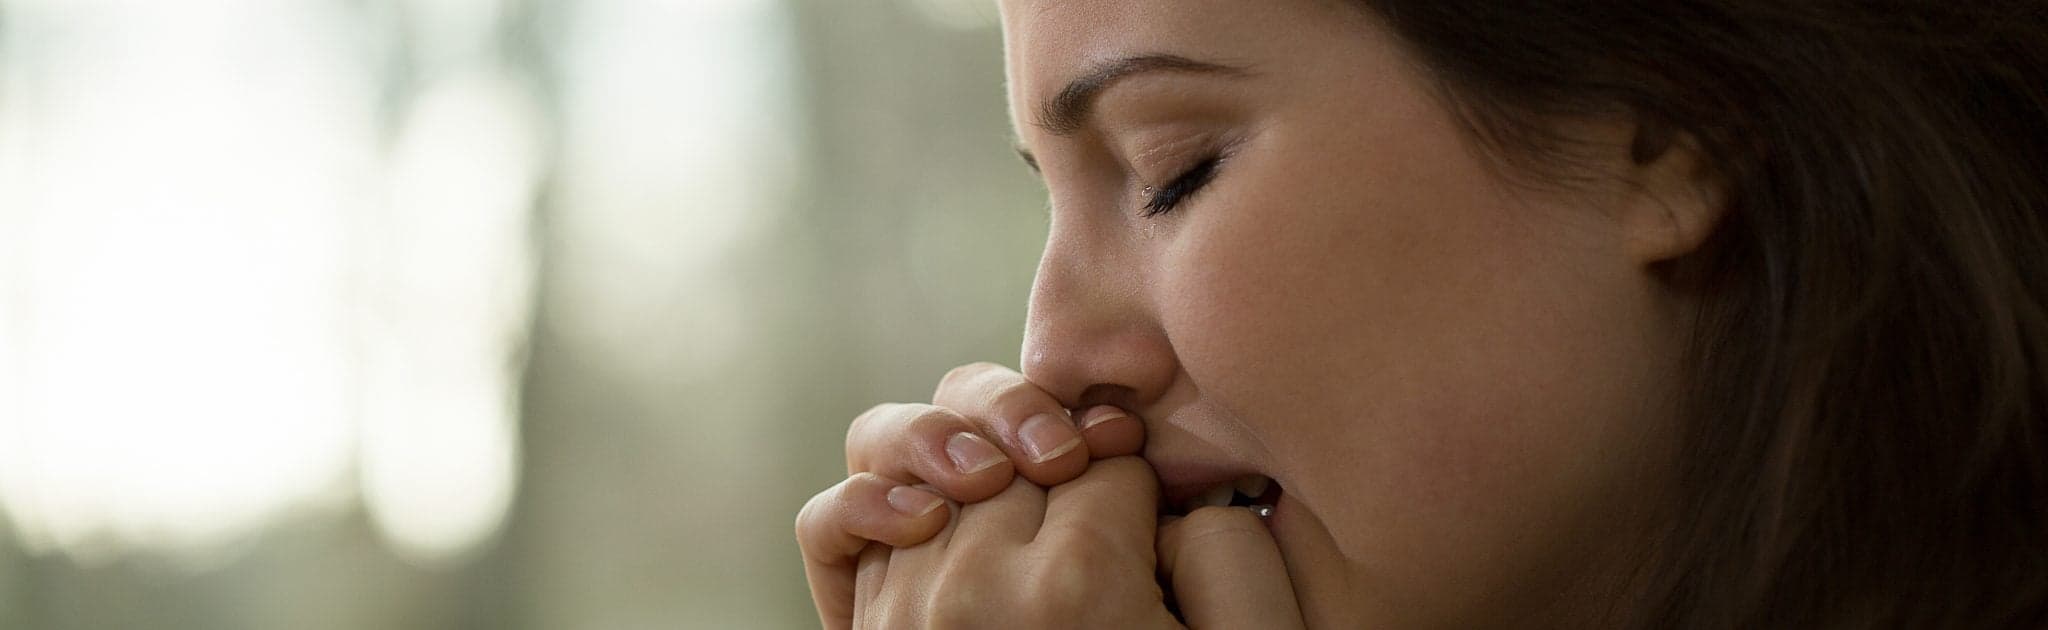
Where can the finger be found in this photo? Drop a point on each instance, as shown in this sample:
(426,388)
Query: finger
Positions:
(835,525)
(928,444)
(1012,517)
(1226,571)
(1032,426)
(873,571)
(1112,508)
(1110,432)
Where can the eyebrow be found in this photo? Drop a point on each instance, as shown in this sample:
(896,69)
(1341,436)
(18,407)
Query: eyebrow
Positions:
(1068,111)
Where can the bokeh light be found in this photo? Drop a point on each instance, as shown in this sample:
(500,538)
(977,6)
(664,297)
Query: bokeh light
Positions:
(397,314)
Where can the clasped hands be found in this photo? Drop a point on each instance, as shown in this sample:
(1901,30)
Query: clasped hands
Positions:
(992,507)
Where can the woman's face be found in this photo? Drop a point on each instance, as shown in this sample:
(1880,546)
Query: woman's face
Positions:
(1461,386)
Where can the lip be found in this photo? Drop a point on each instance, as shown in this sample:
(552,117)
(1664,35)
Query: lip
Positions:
(1282,511)
(1184,478)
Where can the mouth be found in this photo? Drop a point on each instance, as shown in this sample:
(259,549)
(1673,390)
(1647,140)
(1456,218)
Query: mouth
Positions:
(1189,484)
(1188,491)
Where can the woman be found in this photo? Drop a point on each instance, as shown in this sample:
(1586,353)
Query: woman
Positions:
(1715,314)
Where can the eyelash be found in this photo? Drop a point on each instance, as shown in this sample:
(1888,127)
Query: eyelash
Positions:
(1164,200)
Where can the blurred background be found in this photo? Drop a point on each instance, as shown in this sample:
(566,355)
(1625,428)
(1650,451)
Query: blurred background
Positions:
(521,314)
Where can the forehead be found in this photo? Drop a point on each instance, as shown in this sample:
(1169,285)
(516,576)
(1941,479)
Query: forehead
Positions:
(1048,42)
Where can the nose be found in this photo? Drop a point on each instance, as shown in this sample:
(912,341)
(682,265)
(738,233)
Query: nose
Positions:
(1092,335)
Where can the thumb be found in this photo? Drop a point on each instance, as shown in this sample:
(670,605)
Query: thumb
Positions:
(1226,571)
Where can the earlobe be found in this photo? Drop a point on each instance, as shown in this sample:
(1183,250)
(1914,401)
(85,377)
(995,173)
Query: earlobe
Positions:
(1676,199)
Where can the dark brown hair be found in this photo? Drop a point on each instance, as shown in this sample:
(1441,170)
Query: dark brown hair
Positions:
(1867,437)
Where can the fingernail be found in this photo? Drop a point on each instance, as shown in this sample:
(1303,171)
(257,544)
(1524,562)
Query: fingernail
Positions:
(1047,436)
(971,454)
(1102,417)
(912,501)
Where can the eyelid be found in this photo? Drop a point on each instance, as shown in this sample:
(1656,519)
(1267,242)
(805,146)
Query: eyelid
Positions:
(1188,183)
(1161,161)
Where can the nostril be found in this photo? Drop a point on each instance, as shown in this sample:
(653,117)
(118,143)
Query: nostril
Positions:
(1118,396)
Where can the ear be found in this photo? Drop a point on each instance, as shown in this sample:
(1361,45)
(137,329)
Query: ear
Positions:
(1674,199)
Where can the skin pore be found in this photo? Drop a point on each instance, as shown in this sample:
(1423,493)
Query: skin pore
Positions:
(1272,241)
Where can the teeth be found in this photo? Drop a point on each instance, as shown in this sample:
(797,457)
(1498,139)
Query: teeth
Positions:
(1250,486)
(1218,496)
(1253,486)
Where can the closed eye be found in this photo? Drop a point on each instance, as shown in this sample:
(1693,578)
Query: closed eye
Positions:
(1164,199)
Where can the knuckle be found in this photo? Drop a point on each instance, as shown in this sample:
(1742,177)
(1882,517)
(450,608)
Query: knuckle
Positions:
(881,435)
(815,516)
(856,507)
(965,374)
(804,517)
(861,422)
(864,481)
(1015,398)
(933,420)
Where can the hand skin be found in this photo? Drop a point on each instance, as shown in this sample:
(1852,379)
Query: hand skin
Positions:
(899,451)
(966,446)
(1088,553)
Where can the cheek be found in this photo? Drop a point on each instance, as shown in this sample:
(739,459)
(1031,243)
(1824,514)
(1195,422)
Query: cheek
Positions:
(1363,300)
(1362,276)
(1442,368)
